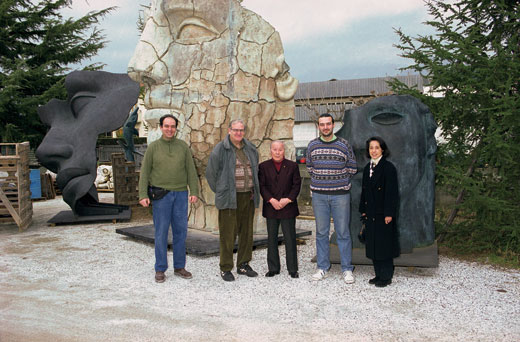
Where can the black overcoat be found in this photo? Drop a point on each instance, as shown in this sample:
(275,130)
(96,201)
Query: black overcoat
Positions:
(283,184)
(380,198)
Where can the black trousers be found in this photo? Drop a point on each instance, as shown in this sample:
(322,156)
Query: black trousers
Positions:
(384,269)
(289,235)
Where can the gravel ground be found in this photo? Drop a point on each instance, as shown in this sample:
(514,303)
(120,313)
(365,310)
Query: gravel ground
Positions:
(87,283)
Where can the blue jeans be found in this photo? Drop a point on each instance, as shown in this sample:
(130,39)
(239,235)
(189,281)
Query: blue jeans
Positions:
(337,206)
(172,210)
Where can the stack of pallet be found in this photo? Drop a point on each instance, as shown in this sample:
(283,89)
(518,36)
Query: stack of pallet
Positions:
(48,186)
(126,180)
(15,184)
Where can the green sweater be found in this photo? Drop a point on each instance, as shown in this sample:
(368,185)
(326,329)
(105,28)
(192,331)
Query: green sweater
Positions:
(169,165)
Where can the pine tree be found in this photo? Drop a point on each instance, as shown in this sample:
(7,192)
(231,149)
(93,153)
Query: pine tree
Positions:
(36,47)
(473,62)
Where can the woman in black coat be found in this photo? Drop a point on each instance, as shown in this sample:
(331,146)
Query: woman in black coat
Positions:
(378,206)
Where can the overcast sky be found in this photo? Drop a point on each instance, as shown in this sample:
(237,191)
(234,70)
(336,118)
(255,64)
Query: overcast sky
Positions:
(342,39)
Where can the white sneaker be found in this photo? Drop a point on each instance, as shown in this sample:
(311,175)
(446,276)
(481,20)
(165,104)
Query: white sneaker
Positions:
(320,275)
(348,277)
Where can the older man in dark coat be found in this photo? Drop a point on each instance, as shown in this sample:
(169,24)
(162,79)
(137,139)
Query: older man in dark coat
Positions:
(280,183)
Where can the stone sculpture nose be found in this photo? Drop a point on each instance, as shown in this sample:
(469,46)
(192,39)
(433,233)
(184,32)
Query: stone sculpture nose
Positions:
(53,153)
(144,74)
(145,66)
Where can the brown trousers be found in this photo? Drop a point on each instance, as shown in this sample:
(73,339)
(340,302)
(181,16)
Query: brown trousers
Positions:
(233,223)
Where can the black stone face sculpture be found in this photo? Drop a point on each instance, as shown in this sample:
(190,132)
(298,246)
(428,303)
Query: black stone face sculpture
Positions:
(97,102)
(408,128)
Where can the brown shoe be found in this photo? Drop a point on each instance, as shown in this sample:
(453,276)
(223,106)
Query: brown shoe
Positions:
(181,272)
(159,277)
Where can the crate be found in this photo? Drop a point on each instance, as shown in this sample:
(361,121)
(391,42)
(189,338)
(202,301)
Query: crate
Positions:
(126,180)
(15,184)
(48,186)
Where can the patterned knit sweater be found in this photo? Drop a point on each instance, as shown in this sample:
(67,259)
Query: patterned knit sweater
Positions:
(331,165)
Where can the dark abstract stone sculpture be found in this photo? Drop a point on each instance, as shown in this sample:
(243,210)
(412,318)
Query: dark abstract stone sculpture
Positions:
(97,102)
(408,128)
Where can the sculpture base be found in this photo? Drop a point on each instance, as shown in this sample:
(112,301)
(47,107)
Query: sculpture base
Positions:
(68,217)
(420,257)
(198,242)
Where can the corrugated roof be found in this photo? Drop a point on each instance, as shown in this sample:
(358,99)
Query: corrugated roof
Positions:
(353,88)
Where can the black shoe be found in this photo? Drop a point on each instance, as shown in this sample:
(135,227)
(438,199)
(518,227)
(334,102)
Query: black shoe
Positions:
(227,275)
(247,270)
(294,274)
(383,283)
(271,273)
(373,280)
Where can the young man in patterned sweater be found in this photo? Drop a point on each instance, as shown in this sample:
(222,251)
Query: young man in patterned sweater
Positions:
(331,164)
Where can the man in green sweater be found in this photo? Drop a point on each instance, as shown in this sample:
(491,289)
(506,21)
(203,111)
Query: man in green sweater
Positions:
(168,167)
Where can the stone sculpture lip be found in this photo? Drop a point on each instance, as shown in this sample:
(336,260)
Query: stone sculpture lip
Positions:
(65,176)
(157,112)
(164,109)
(171,96)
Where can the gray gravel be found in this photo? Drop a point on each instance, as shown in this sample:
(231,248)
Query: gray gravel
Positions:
(87,283)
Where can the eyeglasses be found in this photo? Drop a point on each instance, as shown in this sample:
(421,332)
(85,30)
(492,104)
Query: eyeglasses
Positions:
(238,130)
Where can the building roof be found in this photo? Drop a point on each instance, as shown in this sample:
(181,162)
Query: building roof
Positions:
(304,113)
(353,88)
(332,96)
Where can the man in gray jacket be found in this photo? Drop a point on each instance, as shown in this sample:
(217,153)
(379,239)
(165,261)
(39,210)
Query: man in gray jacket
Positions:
(232,174)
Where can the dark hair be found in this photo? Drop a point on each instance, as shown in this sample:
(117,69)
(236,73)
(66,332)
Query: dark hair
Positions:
(382,144)
(161,120)
(326,115)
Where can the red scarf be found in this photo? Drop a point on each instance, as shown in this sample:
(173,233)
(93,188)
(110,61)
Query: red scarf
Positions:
(278,165)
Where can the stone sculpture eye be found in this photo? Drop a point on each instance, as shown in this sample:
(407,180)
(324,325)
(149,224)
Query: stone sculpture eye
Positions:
(387,118)
(195,31)
(77,103)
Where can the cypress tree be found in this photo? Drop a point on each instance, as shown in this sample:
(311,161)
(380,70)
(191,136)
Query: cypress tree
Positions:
(37,47)
(473,65)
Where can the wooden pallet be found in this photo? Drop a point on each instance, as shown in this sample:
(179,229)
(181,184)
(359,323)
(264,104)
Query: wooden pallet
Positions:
(15,184)
(47,184)
(126,180)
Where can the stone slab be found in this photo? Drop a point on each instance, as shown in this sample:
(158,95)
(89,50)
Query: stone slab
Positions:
(68,217)
(198,242)
(420,257)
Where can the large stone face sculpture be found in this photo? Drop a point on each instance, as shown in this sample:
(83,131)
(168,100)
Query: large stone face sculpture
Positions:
(208,62)
(97,102)
(408,128)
